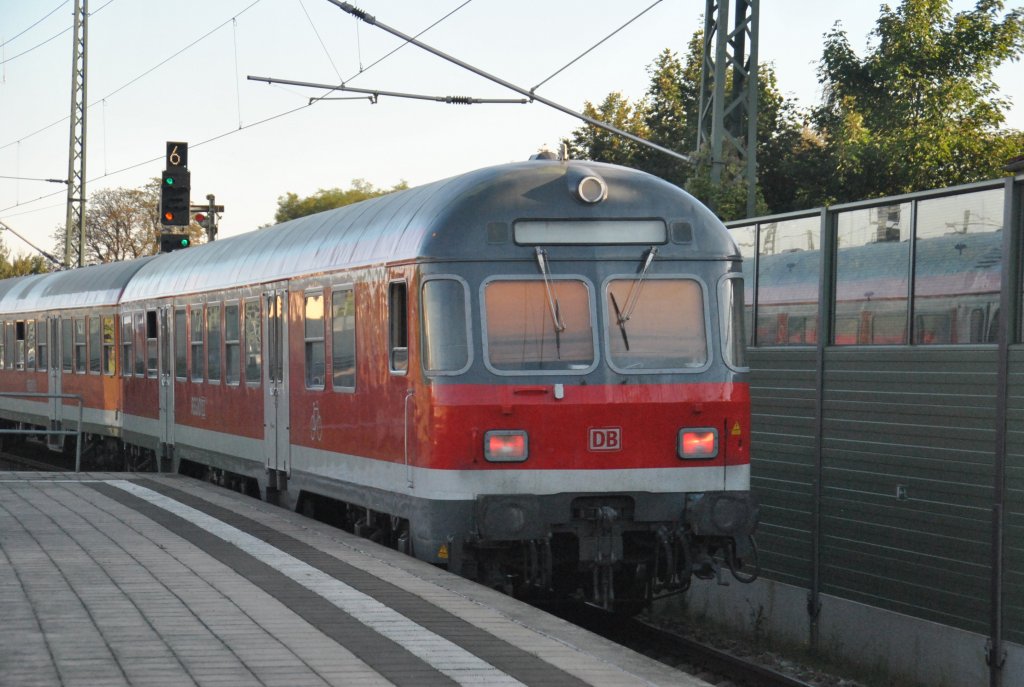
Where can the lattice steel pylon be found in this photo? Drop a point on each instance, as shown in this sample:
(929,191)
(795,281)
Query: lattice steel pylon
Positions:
(76,146)
(728,121)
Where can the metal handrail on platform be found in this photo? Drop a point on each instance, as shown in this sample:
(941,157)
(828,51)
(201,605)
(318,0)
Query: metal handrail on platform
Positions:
(54,432)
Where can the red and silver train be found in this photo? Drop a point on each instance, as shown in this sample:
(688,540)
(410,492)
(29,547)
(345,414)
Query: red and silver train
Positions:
(532,373)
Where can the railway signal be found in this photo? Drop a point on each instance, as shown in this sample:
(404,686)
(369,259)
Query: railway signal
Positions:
(175,184)
(172,242)
(206,216)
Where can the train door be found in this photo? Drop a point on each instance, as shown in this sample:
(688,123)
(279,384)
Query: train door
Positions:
(165,335)
(275,380)
(53,367)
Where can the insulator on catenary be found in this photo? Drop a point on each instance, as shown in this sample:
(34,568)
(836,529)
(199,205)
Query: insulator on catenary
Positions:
(458,100)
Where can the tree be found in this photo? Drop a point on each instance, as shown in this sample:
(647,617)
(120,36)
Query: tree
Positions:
(920,109)
(21,264)
(122,224)
(668,116)
(291,206)
(592,143)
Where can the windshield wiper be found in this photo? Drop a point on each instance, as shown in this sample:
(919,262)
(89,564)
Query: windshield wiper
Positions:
(622,322)
(633,297)
(556,311)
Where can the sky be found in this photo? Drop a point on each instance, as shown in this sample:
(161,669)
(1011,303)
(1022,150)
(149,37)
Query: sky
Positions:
(177,71)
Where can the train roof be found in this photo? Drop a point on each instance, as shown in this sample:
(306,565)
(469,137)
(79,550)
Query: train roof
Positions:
(443,220)
(96,285)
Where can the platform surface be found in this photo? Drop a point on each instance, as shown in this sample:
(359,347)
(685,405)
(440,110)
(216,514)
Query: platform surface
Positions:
(114,579)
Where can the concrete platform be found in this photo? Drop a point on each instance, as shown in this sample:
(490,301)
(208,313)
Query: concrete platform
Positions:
(112,579)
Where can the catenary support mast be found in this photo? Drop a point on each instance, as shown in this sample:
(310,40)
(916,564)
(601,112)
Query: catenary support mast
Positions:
(75,224)
(728,114)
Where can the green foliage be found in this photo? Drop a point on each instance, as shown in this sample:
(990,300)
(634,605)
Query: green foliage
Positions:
(668,115)
(601,145)
(121,224)
(291,206)
(21,264)
(920,109)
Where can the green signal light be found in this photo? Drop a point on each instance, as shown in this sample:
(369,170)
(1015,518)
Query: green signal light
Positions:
(184,243)
(169,181)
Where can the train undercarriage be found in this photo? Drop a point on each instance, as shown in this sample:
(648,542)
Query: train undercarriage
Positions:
(618,552)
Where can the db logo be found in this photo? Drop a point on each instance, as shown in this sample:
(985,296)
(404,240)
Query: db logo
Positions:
(605,439)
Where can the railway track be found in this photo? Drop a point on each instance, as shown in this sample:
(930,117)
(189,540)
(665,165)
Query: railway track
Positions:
(676,650)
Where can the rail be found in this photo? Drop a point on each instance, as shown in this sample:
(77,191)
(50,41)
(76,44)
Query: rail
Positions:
(77,432)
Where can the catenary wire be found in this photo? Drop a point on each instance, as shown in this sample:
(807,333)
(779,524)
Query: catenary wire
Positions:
(53,37)
(139,76)
(35,24)
(595,45)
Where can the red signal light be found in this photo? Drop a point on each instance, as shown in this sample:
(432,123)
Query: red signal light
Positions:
(199,217)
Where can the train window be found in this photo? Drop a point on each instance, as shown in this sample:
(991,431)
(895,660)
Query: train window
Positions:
(94,345)
(9,345)
(213,342)
(253,328)
(180,344)
(108,345)
(873,272)
(887,328)
(67,345)
(655,324)
(42,345)
(151,343)
(445,332)
(398,327)
(343,338)
(957,266)
(731,312)
(30,345)
(232,344)
(933,328)
(198,350)
(140,344)
(127,337)
(3,348)
(19,344)
(313,335)
(81,362)
(533,325)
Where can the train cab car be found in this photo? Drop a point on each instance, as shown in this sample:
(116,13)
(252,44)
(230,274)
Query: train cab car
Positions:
(532,374)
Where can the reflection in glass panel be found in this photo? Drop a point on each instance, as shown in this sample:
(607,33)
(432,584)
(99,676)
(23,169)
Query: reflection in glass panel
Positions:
(787,286)
(872,275)
(957,268)
(213,342)
(180,344)
(655,324)
(109,358)
(198,354)
(232,345)
(528,330)
(314,337)
(445,333)
(343,338)
(253,328)
(746,241)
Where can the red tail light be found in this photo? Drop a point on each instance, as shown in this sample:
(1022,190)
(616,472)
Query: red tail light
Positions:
(506,446)
(698,444)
